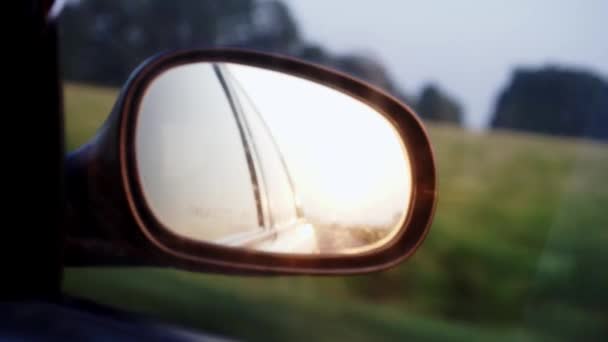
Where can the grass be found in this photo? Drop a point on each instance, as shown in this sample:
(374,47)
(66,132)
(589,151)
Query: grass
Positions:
(517,251)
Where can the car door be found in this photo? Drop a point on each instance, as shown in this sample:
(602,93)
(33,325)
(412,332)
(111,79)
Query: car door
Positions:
(284,221)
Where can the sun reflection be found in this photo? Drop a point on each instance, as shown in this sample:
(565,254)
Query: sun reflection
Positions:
(347,159)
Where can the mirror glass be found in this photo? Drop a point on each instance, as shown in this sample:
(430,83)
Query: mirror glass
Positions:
(252,158)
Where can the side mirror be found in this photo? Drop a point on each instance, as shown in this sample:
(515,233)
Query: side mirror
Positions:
(234,161)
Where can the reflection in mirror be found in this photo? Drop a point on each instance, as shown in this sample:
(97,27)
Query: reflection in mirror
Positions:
(247,157)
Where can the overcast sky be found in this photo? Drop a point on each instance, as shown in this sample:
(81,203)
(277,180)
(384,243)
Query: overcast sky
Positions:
(468,47)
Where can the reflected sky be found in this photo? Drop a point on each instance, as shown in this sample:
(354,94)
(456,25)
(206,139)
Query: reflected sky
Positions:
(190,158)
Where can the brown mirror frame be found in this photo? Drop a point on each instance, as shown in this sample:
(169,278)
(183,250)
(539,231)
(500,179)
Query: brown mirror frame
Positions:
(112,225)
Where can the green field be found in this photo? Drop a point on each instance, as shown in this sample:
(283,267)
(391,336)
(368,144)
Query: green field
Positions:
(518,251)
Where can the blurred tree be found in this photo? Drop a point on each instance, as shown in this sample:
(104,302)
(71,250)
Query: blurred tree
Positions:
(267,26)
(557,101)
(314,53)
(366,68)
(437,106)
(103,41)
(369,69)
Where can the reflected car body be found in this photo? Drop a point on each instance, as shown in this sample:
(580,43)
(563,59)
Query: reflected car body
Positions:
(283,226)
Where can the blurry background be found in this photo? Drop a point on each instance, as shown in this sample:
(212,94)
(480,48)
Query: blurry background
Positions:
(515,97)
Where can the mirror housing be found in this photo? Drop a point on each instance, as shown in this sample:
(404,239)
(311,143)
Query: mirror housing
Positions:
(111,224)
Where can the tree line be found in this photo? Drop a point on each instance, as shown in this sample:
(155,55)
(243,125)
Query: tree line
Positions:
(103,41)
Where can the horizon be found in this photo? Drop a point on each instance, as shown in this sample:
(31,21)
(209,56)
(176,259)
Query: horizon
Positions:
(516,35)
